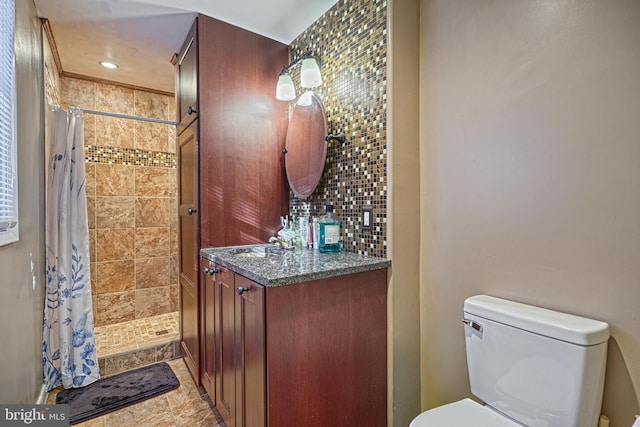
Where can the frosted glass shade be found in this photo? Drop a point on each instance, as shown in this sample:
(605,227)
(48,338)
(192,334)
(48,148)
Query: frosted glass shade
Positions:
(305,99)
(285,90)
(310,73)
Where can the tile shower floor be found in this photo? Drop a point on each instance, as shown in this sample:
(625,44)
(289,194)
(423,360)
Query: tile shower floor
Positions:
(180,407)
(137,334)
(128,345)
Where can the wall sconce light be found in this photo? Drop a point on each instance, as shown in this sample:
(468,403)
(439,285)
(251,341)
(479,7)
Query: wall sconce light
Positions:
(285,91)
(309,76)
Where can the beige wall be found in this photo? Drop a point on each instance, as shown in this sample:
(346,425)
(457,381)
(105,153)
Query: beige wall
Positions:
(530,127)
(403,209)
(22,263)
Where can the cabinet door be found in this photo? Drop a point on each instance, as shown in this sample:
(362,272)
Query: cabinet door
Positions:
(187,80)
(189,245)
(250,354)
(327,352)
(207,378)
(225,346)
(240,350)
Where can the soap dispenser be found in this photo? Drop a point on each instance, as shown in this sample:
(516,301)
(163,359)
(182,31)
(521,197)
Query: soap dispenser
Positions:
(329,232)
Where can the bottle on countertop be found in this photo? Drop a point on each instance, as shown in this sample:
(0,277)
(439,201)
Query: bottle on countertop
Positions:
(330,232)
(304,231)
(315,233)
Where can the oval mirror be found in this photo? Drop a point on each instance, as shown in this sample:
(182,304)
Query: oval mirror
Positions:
(306,145)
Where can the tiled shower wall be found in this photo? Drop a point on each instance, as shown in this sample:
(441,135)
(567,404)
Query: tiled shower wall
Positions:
(131,198)
(351,39)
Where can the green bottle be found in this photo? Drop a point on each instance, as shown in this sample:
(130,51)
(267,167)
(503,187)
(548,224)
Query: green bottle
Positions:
(329,232)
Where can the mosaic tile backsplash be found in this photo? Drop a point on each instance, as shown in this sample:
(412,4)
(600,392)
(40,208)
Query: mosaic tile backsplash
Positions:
(351,39)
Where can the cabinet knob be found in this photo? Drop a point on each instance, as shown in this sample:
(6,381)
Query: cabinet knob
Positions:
(191,211)
(241,290)
(211,271)
(191,110)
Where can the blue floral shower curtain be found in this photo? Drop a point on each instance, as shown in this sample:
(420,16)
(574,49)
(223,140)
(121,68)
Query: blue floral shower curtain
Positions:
(68,349)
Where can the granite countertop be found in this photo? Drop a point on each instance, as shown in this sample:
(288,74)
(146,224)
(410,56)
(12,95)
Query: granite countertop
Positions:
(299,265)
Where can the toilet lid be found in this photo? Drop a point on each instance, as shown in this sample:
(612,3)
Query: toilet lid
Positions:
(464,413)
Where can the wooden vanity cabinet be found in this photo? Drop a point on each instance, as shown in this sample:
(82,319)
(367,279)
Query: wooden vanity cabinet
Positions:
(231,133)
(312,353)
(233,365)
(326,351)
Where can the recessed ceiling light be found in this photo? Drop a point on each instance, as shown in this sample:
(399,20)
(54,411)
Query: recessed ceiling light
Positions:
(109,65)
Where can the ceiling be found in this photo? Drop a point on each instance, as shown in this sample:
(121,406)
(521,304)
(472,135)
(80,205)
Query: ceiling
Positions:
(141,36)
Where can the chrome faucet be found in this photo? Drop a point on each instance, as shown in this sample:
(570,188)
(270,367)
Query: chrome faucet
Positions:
(280,242)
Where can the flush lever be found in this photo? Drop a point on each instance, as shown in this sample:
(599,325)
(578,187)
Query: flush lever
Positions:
(473,324)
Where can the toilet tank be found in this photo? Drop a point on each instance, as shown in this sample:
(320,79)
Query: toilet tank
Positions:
(539,367)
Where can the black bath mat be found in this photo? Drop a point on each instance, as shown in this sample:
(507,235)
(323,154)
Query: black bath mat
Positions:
(118,391)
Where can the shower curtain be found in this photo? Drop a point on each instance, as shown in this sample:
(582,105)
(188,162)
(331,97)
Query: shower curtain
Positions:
(68,349)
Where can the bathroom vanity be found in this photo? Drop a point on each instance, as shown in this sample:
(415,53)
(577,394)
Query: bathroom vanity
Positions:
(230,136)
(295,337)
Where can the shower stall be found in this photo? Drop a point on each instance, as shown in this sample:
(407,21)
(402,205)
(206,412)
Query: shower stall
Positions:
(131,185)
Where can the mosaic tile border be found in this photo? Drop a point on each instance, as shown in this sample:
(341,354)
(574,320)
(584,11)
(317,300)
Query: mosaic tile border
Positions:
(351,39)
(129,156)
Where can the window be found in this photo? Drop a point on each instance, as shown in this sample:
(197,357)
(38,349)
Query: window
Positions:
(8,157)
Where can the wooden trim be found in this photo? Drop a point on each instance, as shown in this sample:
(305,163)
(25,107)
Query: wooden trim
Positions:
(112,82)
(174,59)
(46,26)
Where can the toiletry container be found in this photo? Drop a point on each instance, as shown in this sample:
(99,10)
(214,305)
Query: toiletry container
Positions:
(330,230)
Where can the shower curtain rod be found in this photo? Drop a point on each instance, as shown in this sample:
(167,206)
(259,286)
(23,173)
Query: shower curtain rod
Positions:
(120,116)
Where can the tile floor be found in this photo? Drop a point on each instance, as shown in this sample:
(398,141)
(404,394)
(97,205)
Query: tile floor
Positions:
(180,407)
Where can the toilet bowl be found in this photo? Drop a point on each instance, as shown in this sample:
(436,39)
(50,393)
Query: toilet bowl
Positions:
(532,366)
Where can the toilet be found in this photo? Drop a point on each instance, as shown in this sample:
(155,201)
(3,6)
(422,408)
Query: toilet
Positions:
(530,366)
